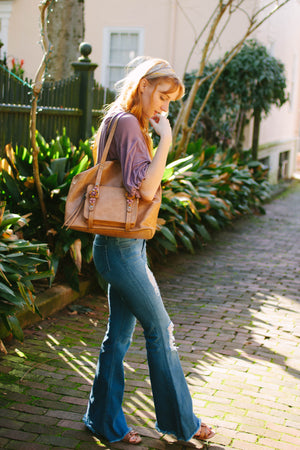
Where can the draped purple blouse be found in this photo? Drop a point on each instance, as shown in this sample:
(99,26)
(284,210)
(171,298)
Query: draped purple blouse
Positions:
(129,147)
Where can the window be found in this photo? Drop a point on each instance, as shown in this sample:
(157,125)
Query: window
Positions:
(283,169)
(119,47)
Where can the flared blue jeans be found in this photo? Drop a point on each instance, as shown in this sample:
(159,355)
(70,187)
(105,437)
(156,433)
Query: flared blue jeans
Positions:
(133,294)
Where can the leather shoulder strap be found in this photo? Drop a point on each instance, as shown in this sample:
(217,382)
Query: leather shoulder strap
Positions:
(110,132)
(108,142)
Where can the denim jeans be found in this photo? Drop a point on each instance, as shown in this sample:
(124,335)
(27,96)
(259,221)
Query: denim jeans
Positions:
(133,294)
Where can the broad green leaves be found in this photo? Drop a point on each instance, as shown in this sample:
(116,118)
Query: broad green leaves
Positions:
(21,262)
(204,192)
(59,162)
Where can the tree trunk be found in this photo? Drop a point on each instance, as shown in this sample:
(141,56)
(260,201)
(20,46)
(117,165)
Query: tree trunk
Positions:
(239,130)
(255,136)
(66,32)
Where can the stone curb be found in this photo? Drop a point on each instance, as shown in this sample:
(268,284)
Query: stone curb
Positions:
(49,302)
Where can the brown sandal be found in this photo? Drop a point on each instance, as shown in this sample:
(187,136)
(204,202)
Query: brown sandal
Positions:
(205,432)
(132,438)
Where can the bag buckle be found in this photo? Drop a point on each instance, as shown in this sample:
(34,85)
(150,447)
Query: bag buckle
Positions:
(93,195)
(129,199)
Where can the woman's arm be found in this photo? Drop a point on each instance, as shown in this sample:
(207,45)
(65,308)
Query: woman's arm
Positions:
(157,166)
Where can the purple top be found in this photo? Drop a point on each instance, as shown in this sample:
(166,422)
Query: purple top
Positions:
(129,147)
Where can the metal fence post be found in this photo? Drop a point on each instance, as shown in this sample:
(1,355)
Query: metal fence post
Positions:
(84,68)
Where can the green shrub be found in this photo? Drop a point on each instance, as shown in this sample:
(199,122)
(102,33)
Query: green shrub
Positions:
(21,262)
(203,192)
(253,81)
(59,161)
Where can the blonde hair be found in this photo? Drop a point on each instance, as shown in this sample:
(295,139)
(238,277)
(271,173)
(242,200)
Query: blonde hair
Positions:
(128,99)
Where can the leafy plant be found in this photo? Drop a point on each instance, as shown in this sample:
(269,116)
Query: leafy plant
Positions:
(204,192)
(17,67)
(59,161)
(21,262)
(249,85)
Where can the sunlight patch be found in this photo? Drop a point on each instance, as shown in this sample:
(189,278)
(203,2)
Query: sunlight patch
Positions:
(53,339)
(19,353)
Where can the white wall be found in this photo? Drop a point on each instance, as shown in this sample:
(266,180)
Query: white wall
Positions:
(24,35)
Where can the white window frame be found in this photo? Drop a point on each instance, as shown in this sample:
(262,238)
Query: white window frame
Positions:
(106,47)
(5,13)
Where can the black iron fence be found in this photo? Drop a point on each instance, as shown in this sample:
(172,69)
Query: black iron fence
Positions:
(74,103)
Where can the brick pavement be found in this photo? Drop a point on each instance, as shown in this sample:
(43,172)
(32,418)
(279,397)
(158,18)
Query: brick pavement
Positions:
(235,306)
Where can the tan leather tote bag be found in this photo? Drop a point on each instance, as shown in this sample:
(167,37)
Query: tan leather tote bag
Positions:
(98,203)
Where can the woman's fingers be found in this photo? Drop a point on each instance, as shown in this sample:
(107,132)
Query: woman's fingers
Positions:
(161,125)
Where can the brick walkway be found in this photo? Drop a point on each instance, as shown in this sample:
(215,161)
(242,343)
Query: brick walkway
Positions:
(235,306)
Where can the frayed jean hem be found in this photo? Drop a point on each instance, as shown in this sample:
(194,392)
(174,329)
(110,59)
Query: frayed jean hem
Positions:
(95,433)
(179,438)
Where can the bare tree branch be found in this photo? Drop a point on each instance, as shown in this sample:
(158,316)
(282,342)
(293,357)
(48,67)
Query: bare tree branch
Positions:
(218,37)
(181,124)
(37,86)
(186,16)
(187,131)
(269,15)
(198,39)
(182,119)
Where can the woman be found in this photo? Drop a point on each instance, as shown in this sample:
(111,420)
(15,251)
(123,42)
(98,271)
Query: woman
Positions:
(133,293)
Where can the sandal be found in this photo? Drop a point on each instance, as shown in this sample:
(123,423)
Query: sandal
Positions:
(132,438)
(205,432)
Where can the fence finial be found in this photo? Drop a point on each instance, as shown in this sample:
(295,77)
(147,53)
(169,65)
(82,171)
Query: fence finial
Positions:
(85,50)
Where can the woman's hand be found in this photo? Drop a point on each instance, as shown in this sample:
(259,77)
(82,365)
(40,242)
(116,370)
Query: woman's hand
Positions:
(156,168)
(161,126)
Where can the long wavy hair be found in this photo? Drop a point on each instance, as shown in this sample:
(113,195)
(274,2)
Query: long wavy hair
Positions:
(129,97)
